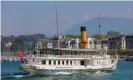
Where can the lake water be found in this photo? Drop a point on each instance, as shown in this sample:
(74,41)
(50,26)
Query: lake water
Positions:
(11,71)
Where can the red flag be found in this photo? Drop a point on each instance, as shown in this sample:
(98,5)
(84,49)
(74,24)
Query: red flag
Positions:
(21,55)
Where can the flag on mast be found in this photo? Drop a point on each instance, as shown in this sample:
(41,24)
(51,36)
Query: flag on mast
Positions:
(21,55)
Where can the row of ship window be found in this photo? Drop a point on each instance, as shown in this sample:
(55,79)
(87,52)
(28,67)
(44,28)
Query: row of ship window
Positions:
(63,62)
(58,63)
(82,62)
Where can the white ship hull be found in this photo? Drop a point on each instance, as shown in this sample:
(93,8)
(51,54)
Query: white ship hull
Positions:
(64,72)
(67,71)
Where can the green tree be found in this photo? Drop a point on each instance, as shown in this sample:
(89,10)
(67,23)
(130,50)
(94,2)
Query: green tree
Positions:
(113,34)
(121,51)
(72,36)
(20,40)
(97,36)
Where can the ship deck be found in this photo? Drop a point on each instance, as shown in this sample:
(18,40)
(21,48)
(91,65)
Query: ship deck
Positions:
(69,49)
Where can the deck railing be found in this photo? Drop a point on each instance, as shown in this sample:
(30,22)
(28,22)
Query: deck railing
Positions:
(63,56)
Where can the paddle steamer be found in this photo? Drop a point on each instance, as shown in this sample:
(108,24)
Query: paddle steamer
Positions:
(53,61)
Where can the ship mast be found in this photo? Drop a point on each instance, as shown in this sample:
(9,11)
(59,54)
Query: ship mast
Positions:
(99,26)
(58,44)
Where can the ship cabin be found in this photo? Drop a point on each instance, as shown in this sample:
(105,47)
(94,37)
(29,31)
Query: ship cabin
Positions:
(67,52)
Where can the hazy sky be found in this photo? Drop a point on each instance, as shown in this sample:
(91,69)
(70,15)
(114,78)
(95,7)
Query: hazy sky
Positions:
(29,17)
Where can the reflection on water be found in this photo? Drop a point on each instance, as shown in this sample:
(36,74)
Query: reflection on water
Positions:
(10,71)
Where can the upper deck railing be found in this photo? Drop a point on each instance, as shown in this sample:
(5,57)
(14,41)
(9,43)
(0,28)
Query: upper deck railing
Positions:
(65,56)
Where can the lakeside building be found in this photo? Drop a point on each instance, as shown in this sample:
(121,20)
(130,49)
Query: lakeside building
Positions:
(104,43)
(118,42)
(121,42)
(129,41)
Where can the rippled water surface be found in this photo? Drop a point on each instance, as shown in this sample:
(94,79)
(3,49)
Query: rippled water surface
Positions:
(11,71)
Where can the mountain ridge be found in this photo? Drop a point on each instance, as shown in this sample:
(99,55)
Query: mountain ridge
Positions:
(122,25)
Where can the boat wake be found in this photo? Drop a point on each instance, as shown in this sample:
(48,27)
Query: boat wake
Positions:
(57,77)
(14,75)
